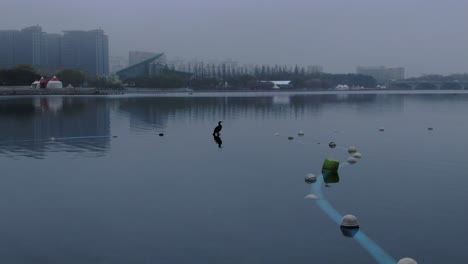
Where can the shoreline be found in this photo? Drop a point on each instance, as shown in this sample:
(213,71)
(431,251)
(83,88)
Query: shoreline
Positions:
(28,91)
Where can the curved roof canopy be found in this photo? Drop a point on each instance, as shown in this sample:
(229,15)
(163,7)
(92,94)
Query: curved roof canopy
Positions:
(144,68)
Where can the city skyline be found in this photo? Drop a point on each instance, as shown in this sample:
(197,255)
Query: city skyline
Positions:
(424,36)
(85,50)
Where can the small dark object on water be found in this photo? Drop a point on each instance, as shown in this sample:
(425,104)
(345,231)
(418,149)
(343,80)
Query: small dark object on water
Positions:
(114,136)
(430,128)
(332,145)
(218,128)
(161,134)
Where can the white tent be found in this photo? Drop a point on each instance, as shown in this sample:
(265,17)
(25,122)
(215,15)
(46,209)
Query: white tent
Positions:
(36,84)
(54,83)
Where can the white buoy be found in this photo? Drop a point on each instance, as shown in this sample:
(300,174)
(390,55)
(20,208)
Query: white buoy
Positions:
(290,138)
(352,150)
(310,178)
(52,138)
(301,133)
(407,261)
(349,221)
(312,196)
(357,155)
(351,160)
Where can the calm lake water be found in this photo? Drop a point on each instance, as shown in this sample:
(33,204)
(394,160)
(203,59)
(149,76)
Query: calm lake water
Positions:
(89,179)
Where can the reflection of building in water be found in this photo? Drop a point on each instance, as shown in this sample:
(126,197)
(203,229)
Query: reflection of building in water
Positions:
(144,112)
(154,112)
(51,104)
(33,121)
(281,99)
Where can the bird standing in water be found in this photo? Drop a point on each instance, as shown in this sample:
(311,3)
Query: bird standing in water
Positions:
(218,129)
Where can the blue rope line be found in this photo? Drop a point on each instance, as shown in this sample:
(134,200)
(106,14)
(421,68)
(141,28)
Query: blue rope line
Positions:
(370,246)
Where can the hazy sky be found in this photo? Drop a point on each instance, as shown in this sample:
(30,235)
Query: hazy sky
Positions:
(425,36)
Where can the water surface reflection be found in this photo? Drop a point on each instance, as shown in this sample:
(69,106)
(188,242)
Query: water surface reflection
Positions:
(31,125)
(179,198)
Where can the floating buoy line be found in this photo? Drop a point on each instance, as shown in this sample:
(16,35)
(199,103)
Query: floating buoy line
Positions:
(368,244)
(349,224)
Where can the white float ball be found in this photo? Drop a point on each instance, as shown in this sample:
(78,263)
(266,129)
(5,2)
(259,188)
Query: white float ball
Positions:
(312,196)
(349,221)
(310,178)
(352,149)
(407,261)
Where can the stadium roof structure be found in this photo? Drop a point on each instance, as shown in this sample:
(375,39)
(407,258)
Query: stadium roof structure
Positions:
(141,69)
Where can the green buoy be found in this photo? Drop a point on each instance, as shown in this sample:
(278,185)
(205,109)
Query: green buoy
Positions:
(330,166)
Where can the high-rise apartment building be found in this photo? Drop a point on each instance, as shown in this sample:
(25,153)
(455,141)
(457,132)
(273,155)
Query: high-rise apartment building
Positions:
(86,50)
(31,47)
(23,47)
(54,50)
(8,39)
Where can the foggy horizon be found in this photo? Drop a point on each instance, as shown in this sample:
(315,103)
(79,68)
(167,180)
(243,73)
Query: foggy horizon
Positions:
(425,37)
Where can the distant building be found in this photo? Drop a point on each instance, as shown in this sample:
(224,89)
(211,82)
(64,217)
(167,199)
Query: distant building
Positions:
(149,67)
(279,84)
(396,73)
(382,74)
(87,51)
(54,50)
(135,57)
(8,40)
(23,47)
(314,69)
(117,63)
(31,47)
(282,84)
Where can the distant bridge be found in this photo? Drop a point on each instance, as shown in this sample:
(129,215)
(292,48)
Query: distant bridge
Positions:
(428,85)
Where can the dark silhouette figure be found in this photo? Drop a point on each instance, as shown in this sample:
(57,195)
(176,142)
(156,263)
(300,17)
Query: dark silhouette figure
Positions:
(218,129)
(218,140)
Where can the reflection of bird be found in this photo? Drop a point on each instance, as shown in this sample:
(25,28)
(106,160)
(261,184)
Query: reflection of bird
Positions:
(218,140)
(218,129)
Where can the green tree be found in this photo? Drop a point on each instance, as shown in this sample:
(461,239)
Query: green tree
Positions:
(19,75)
(73,77)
